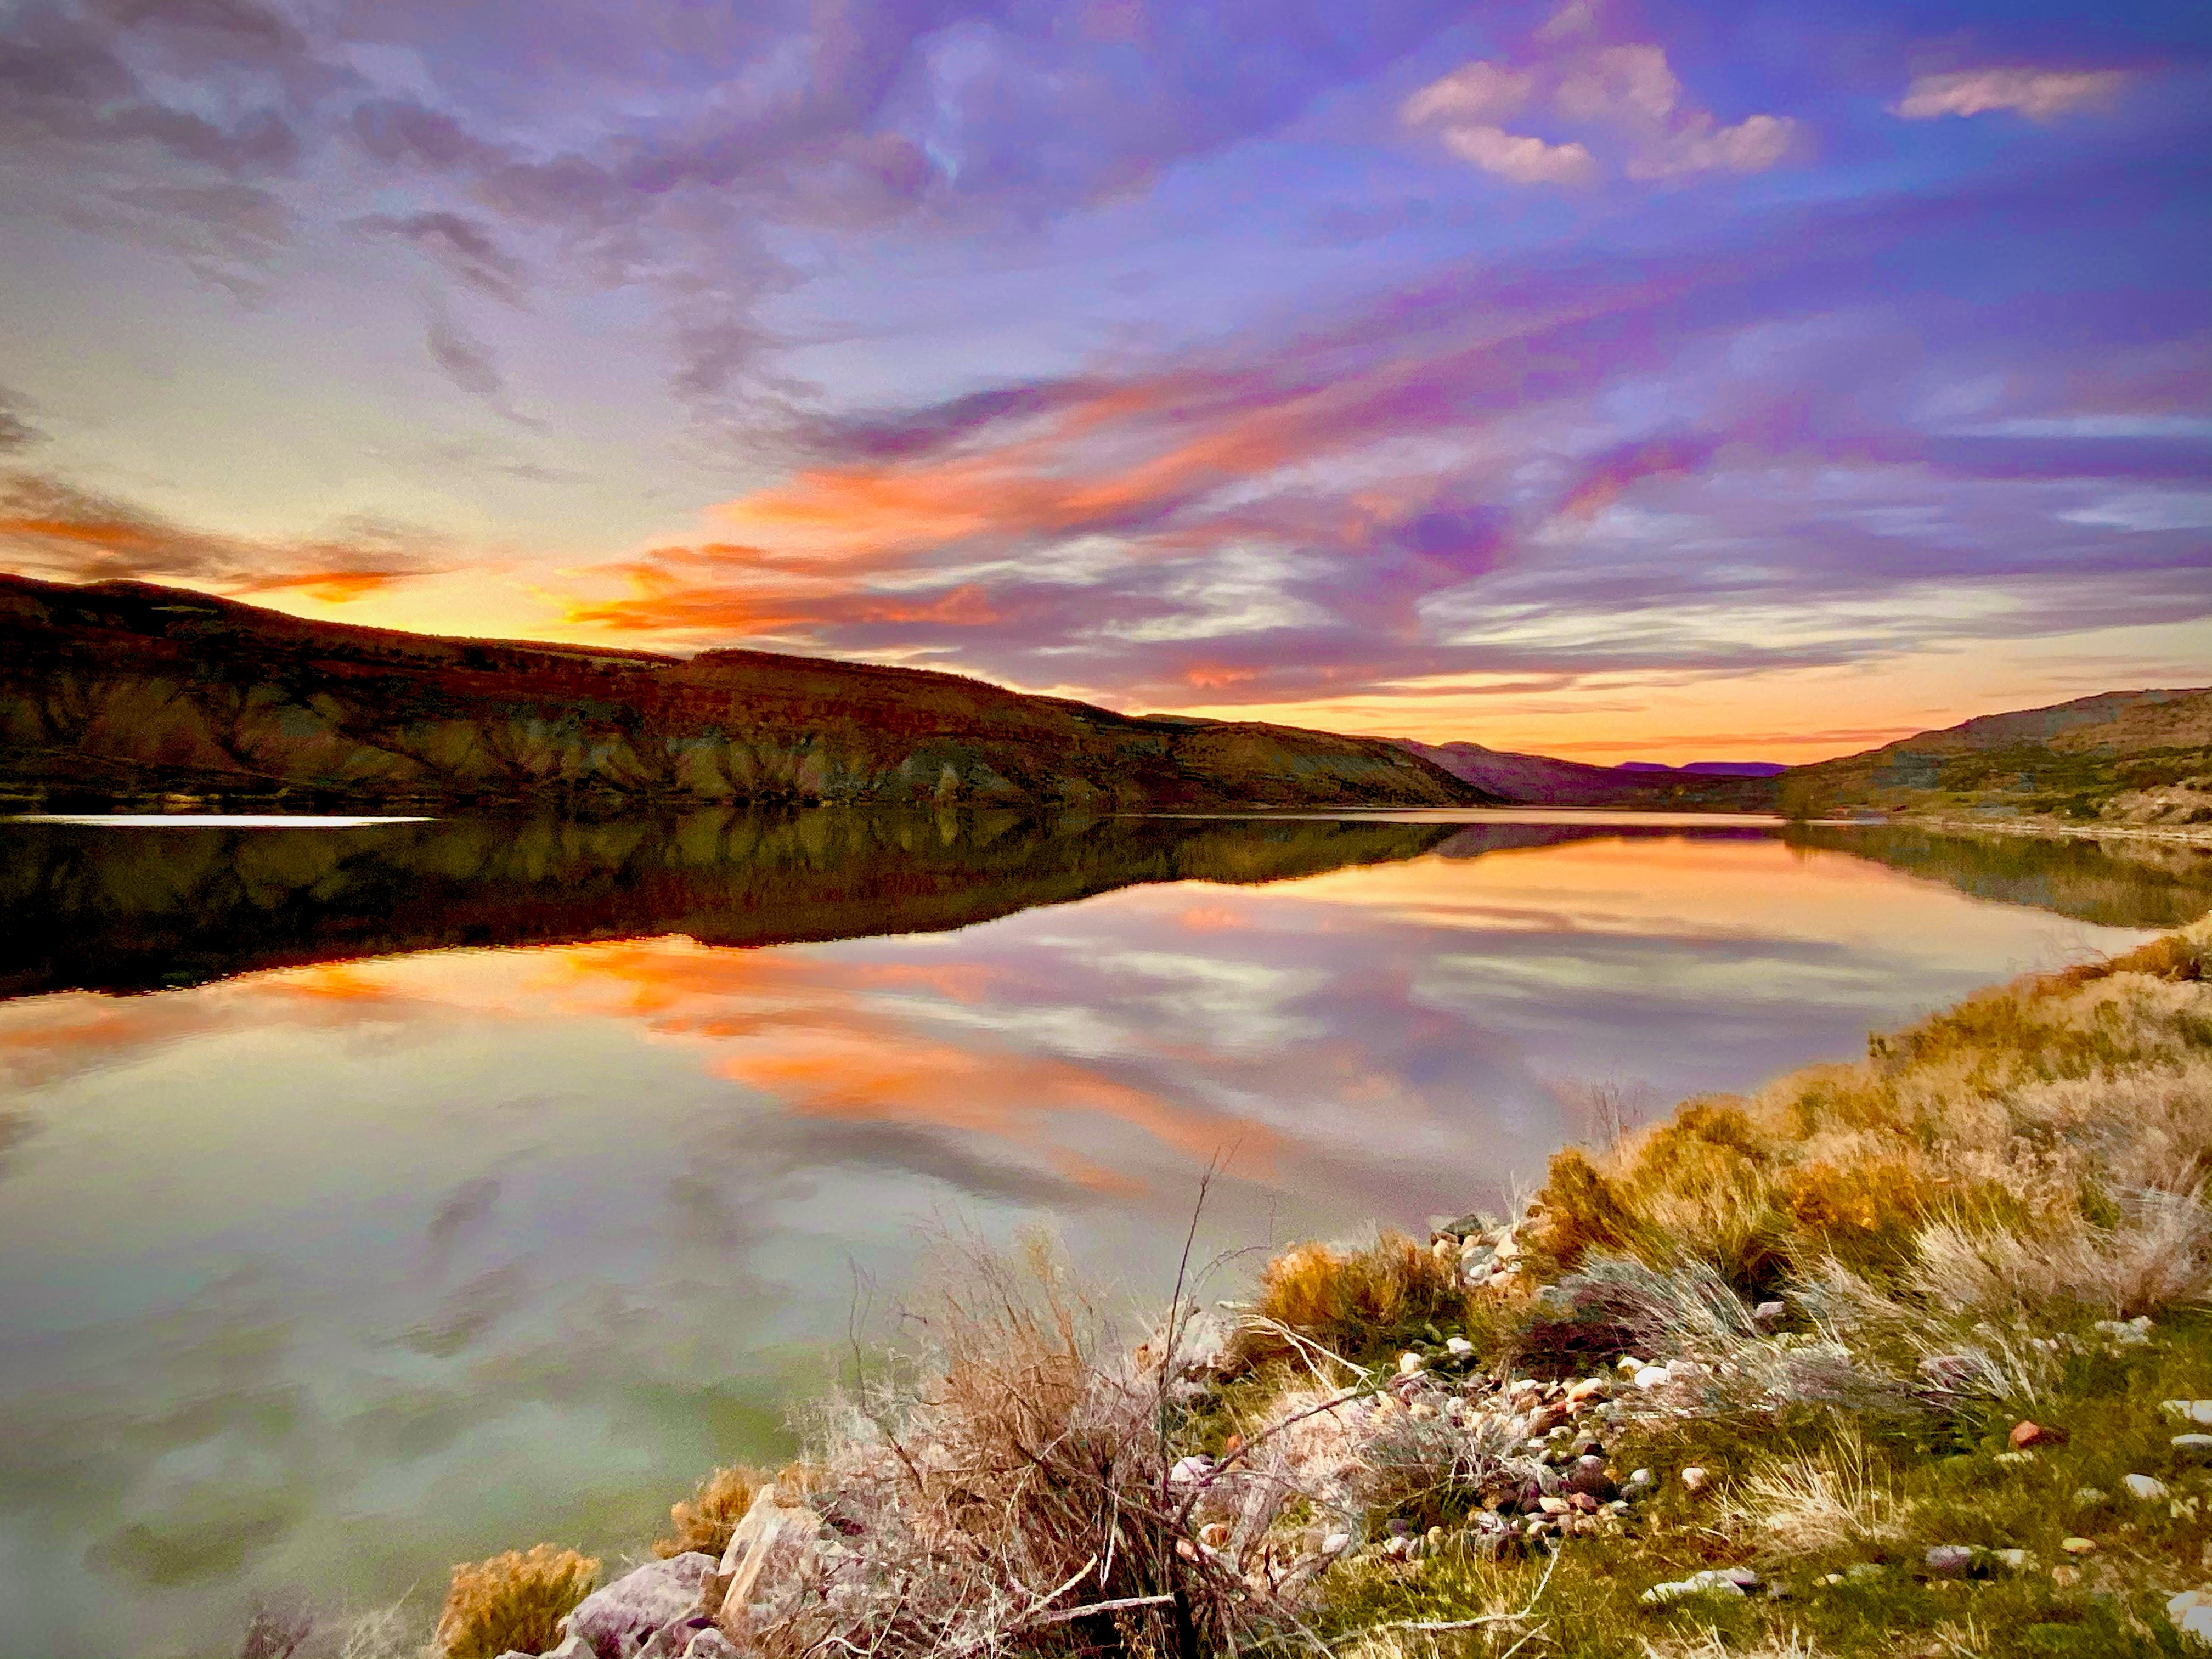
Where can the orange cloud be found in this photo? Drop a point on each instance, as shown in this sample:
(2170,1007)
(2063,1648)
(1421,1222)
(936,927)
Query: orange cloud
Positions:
(55,530)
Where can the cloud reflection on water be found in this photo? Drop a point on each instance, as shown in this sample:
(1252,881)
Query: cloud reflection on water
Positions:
(386,1262)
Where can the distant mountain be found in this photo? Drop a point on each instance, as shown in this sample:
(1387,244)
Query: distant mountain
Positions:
(1737,769)
(1710,769)
(2141,756)
(122,691)
(1539,781)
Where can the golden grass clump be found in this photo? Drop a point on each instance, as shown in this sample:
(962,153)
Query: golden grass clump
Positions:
(705,1522)
(513,1600)
(1348,1300)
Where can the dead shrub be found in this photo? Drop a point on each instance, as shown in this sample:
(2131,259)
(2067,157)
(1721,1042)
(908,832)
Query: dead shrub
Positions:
(1353,1302)
(512,1600)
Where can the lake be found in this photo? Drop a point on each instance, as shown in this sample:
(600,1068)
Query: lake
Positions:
(376,1196)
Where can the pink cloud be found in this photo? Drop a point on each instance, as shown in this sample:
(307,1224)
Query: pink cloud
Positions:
(1477,92)
(2039,95)
(1626,92)
(1522,160)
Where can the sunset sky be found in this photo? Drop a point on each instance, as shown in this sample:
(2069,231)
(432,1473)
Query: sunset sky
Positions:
(1758,380)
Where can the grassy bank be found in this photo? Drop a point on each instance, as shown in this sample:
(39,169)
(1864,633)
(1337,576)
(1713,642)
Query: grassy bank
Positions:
(1880,1360)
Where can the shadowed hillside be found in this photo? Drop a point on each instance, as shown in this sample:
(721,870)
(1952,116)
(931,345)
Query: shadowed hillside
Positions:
(2127,757)
(123,691)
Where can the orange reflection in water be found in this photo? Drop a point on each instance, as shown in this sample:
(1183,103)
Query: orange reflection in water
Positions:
(804,1028)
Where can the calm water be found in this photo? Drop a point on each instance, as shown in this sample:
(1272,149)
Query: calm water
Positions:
(375,1197)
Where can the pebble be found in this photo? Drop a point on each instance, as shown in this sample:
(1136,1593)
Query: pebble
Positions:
(2147,1488)
(1770,1313)
(1652,1377)
(2013,1561)
(1459,1347)
(1695,1478)
(2078,1546)
(2191,1614)
(1408,1362)
(1336,1543)
(2189,1411)
(1950,1560)
(1714,1581)
(1642,1480)
(2193,1445)
(2025,1435)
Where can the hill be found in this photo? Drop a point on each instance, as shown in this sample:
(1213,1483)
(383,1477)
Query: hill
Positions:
(123,691)
(2120,756)
(1539,781)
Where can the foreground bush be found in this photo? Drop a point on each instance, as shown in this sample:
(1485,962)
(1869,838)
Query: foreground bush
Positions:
(512,1600)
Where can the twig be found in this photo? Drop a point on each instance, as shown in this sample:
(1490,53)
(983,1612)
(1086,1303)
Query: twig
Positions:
(1120,1604)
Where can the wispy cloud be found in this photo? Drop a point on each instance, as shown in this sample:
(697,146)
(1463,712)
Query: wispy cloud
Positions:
(2040,94)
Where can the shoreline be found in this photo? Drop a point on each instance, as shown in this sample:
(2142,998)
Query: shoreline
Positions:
(1820,1370)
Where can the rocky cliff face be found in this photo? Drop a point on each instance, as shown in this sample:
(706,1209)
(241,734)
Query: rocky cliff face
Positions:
(121,690)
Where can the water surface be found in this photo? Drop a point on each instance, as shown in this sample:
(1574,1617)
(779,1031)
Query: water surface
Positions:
(376,1197)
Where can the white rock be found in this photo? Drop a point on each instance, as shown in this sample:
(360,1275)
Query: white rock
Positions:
(627,1613)
(2143,1487)
(1459,1347)
(2189,1411)
(1652,1376)
(1408,1362)
(2193,1445)
(2191,1614)
(1189,1469)
(1336,1543)
(1694,1478)
(1717,1581)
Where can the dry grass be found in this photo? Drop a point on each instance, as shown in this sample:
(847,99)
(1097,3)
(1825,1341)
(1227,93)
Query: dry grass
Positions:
(1350,1300)
(2054,1135)
(705,1522)
(1819,1500)
(513,1600)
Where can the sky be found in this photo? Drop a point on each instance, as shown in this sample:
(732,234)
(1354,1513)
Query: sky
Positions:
(1755,380)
